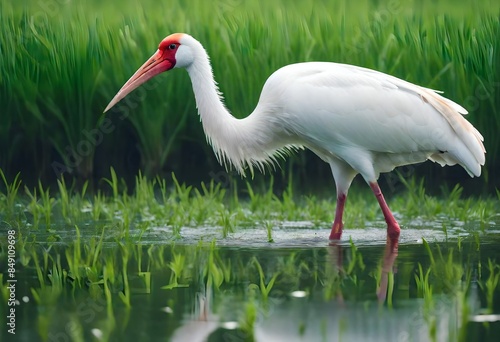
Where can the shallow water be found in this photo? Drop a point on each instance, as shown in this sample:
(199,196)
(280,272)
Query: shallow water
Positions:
(201,287)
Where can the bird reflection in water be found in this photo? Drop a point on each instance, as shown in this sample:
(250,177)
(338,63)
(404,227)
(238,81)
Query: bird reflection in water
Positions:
(335,253)
(280,321)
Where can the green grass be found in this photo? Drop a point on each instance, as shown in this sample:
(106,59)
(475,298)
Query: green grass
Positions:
(167,203)
(104,276)
(61,64)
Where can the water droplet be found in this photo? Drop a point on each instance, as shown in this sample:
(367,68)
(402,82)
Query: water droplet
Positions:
(230,325)
(298,294)
(97,333)
(167,309)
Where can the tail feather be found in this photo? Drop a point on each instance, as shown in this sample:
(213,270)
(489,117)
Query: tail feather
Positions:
(471,153)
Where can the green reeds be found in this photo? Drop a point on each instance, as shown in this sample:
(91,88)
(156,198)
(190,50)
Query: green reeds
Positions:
(490,285)
(264,288)
(61,66)
(10,194)
(168,203)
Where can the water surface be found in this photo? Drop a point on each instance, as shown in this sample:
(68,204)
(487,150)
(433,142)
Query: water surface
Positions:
(429,285)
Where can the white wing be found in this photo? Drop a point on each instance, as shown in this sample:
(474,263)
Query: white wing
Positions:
(371,120)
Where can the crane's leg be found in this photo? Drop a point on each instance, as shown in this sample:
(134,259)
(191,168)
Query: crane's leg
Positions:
(393,229)
(343,175)
(338,225)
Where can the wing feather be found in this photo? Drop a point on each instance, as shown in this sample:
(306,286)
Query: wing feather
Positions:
(345,110)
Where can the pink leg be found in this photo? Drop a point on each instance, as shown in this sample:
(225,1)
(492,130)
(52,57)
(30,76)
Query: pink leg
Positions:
(336,232)
(335,257)
(393,229)
(390,255)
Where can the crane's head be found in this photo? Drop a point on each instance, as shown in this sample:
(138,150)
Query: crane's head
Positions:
(173,52)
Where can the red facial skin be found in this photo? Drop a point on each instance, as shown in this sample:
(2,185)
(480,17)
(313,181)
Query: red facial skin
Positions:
(163,60)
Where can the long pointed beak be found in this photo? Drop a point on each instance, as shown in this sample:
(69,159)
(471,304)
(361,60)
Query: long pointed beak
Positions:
(153,66)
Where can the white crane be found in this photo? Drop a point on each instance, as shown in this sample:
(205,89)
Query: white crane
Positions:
(358,120)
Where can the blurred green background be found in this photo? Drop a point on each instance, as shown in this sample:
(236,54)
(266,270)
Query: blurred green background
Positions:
(62,61)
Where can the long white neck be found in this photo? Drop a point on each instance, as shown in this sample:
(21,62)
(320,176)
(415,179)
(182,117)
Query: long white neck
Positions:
(240,142)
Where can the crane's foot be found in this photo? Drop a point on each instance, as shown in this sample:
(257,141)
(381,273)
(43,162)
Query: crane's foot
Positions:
(336,232)
(393,231)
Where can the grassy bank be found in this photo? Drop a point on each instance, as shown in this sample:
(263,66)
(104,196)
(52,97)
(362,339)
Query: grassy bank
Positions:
(63,61)
(166,203)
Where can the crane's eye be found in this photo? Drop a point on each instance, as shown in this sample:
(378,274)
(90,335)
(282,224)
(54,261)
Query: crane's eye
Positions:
(172,46)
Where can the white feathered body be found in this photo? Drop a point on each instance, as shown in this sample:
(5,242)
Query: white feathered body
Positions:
(368,121)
